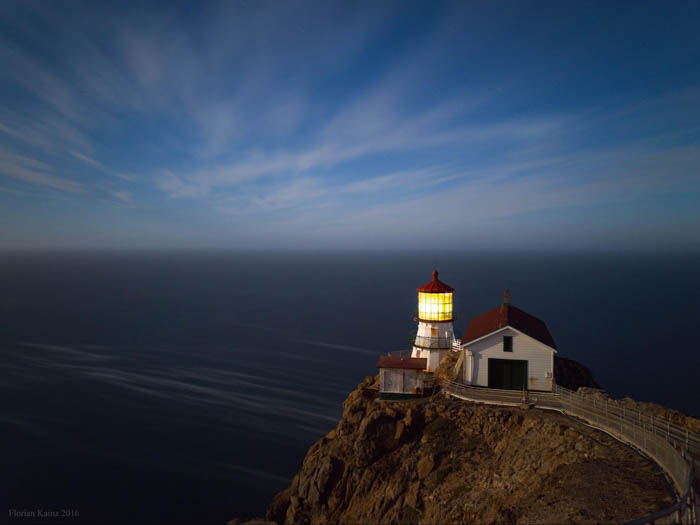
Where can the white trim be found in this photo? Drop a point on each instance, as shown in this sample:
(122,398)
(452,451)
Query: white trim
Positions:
(515,330)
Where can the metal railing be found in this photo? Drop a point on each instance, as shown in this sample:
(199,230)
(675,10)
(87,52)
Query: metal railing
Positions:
(671,446)
(434,342)
(430,342)
(502,397)
(682,438)
(400,353)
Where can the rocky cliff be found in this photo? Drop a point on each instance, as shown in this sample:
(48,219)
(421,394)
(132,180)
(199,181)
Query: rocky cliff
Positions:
(439,460)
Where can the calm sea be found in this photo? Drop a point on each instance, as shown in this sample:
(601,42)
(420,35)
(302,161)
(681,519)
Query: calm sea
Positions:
(187,387)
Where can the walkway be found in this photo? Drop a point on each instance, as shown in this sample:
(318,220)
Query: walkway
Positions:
(671,446)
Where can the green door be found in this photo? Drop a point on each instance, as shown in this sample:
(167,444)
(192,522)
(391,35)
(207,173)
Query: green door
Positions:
(509,374)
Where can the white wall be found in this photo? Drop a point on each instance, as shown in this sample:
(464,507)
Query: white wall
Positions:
(540,359)
(433,356)
(400,381)
(437,332)
(434,334)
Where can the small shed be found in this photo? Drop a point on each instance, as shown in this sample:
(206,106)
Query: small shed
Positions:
(508,348)
(401,377)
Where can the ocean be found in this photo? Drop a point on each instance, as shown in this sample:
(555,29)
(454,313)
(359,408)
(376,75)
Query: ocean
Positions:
(186,387)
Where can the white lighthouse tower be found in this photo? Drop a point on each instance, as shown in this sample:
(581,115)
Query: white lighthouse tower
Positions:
(435,334)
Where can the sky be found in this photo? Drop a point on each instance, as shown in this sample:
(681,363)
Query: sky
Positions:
(350,125)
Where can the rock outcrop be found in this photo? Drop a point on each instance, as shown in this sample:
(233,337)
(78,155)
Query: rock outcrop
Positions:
(645,408)
(575,376)
(439,460)
(572,374)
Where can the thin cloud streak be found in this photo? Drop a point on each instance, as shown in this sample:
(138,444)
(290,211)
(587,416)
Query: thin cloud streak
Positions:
(408,135)
(35,172)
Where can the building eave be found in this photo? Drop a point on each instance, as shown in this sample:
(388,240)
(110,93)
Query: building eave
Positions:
(464,345)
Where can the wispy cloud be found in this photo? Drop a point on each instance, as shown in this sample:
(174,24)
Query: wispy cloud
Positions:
(88,160)
(34,172)
(46,133)
(123,196)
(324,122)
(394,135)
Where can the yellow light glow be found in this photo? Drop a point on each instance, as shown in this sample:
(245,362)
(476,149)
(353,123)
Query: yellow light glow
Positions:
(434,306)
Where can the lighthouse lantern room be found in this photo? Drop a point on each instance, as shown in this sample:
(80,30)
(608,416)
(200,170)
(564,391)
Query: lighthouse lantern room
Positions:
(435,333)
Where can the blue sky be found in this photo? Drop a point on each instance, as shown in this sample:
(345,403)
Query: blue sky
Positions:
(312,125)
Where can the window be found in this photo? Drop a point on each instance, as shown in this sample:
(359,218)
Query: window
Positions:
(435,306)
(507,343)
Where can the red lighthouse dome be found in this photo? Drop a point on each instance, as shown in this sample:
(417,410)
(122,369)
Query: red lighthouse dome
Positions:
(435,286)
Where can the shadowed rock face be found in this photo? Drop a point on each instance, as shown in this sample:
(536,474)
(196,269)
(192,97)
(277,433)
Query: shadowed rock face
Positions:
(572,374)
(440,460)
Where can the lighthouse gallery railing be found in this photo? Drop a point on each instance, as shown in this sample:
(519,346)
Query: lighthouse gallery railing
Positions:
(671,446)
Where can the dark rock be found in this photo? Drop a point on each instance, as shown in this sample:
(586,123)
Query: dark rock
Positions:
(425,466)
(375,437)
(572,374)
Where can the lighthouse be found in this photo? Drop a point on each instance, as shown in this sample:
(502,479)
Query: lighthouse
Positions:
(435,333)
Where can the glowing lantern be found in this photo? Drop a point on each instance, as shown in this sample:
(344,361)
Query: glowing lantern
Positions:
(434,306)
(435,336)
(435,300)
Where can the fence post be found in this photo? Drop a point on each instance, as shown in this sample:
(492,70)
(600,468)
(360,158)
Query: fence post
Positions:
(607,414)
(622,419)
(644,430)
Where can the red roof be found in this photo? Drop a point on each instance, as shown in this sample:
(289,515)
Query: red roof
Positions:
(390,361)
(436,286)
(507,315)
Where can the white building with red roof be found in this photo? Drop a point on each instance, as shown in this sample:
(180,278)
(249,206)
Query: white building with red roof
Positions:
(401,376)
(508,348)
